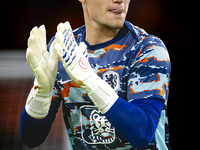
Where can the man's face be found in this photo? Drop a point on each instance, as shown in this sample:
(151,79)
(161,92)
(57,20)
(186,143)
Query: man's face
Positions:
(108,13)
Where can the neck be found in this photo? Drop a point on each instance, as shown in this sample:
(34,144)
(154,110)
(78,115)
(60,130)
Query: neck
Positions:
(99,34)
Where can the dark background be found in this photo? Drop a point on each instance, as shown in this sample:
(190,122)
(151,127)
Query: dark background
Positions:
(175,22)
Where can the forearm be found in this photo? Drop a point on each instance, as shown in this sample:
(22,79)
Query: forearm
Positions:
(136,121)
(34,131)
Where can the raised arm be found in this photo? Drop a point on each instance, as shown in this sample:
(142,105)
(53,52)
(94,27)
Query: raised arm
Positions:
(37,116)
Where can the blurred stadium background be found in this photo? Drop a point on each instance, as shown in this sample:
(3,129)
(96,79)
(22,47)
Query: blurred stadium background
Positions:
(173,21)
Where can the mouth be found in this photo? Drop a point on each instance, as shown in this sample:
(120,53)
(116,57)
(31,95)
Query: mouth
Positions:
(116,11)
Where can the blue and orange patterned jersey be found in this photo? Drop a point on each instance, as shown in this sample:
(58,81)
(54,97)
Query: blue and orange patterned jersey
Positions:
(137,66)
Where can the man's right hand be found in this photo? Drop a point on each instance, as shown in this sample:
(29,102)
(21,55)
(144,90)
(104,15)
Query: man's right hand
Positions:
(43,64)
(44,67)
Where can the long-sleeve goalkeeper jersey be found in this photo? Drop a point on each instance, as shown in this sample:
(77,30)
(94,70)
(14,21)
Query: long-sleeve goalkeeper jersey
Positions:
(137,66)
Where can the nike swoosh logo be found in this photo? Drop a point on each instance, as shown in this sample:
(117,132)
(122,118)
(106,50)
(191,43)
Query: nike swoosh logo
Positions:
(63,82)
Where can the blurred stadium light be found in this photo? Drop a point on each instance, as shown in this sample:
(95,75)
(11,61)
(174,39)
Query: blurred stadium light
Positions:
(13,64)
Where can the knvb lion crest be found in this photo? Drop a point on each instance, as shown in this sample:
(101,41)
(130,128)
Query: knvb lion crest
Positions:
(101,129)
(112,78)
(96,129)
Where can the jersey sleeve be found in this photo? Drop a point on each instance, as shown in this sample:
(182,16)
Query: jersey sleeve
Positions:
(34,131)
(150,71)
(147,91)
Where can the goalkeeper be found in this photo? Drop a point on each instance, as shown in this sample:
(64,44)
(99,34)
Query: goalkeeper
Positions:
(111,77)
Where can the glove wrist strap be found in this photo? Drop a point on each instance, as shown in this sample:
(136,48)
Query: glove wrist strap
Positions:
(37,105)
(100,93)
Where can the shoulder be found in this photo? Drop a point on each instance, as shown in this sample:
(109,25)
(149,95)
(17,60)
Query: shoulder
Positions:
(50,43)
(79,34)
(78,30)
(141,35)
(146,44)
(136,32)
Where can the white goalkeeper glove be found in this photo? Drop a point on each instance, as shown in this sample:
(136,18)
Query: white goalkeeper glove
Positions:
(44,67)
(75,62)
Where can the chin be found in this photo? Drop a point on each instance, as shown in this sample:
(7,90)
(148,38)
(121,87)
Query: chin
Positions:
(115,25)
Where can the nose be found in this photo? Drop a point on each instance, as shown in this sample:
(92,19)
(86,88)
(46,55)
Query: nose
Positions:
(118,1)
